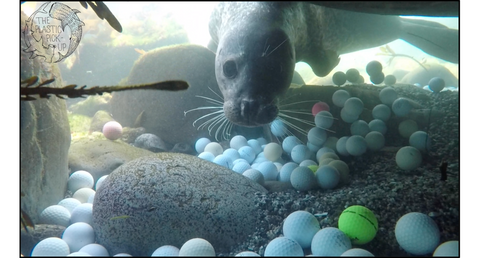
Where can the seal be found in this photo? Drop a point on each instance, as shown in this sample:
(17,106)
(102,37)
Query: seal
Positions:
(258,43)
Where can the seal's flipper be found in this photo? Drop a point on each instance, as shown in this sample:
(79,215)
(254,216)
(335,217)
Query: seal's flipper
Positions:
(322,62)
(432,38)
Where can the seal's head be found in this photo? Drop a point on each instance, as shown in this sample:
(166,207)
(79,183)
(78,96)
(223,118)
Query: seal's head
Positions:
(254,65)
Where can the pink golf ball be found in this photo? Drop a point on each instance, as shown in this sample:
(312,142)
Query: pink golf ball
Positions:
(320,106)
(112,130)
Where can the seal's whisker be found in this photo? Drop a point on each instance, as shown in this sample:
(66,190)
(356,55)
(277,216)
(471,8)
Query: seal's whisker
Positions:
(307,122)
(297,102)
(212,101)
(277,47)
(291,125)
(217,113)
(216,93)
(201,108)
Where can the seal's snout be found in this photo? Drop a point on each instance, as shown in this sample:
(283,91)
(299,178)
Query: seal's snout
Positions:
(250,112)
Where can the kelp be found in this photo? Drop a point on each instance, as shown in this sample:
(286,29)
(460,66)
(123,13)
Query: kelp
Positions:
(27,89)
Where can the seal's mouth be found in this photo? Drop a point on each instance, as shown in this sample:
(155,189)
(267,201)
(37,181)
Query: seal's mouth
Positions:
(250,113)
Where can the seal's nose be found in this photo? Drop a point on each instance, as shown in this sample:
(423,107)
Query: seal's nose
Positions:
(249,108)
(253,113)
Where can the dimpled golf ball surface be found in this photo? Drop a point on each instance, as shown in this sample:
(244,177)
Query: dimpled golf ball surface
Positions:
(77,235)
(214,147)
(357,252)
(317,136)
(449,248)
(238,141)
(339,97)
(289,142)
(69,203)
(79,179)
(282,246)
(254,175)
(166,250)
(374,68)
(356,145)
(197,247)
(323,119)
(302,178)
(268,170)
(300,153)
(352,75)
(301,226)
(278,128)
(330,241)
(247,253)
(200,144)
(436,84)
(247,153)
(417,233)
(382,112)
(408,158)
(273,151)
(358,223)
(83,194)
(388,95)
(207,156)
(421,141)
(339,78)
(401,107)
(353,106)
(327,177)
(224,161)
(56,215)
(94,250)
(286,171)
(82,213)
(52,246)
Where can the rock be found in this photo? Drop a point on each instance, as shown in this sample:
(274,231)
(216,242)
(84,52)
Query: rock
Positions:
(184,148)
(91,105)
(164,110)
(44,136)
(277,186)
(100,118)
(170,198)
(29,239)
(101,156)
(151,142)
(130,134)
(422,76)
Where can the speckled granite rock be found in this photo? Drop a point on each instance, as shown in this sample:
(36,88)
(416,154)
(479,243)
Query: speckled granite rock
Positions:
(170,198)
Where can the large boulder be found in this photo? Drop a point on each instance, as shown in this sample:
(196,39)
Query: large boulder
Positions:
(170,198)
(164,110)
(44,136)
(101,156)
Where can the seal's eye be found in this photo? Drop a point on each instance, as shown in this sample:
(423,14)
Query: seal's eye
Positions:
(230,69)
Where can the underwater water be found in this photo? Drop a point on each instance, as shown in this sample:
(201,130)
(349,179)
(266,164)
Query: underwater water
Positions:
(222,154)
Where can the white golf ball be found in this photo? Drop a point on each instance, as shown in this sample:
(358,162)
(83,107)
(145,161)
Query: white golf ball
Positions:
(78,235)
(52,246)
(282,246)
(56,215)
(330,241)
(449,248)
(301,226)
(79,179)
(197,247)
(166,250)
(94,250)
(417,233)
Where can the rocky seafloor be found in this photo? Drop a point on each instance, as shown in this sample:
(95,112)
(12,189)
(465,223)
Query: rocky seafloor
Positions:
(377,183)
